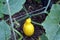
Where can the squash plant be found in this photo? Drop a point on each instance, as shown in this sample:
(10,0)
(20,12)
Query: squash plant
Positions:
(51,24)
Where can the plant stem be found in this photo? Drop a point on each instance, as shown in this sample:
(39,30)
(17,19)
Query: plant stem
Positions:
(48,5)
(22,18)
(26,11)
(37,10)
(36,23)
(10,16)
(30,13)
(39,13)
(18,34)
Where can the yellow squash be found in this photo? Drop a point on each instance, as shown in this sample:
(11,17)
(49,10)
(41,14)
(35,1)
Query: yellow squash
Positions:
(28,27)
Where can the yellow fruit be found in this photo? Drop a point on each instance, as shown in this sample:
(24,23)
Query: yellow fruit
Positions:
(28,27)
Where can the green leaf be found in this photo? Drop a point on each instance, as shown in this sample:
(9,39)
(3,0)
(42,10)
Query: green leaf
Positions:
(15,6)
(57,36)
(43,37)
(1,15)
(51,23)
(5,31)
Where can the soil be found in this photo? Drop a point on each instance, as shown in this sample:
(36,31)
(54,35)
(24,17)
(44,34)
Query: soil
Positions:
(32,5)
